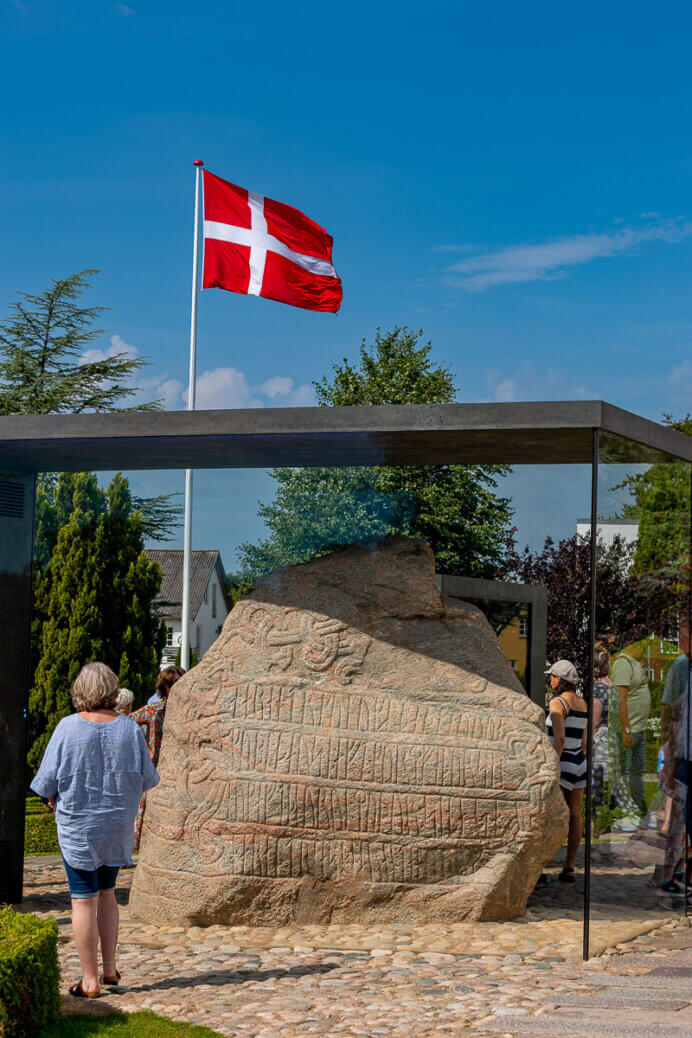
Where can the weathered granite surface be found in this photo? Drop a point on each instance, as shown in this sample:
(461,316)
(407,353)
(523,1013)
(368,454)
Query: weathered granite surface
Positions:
(352,748)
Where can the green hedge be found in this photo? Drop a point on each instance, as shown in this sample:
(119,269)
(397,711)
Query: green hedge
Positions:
(40,836)
(29,974)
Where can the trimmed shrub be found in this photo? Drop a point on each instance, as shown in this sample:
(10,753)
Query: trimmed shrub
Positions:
(29,974)
(40,836)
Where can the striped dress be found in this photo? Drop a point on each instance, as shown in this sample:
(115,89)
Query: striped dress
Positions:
(572,760)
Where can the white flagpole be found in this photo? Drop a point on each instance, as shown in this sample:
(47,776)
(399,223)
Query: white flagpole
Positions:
(192,386)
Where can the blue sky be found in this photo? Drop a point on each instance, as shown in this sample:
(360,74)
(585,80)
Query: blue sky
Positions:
(514,178)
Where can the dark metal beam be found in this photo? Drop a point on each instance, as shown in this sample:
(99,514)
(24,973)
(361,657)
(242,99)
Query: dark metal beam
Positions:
(517,433)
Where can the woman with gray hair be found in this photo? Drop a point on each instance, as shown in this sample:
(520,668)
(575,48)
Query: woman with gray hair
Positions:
(93,772)
(125,701)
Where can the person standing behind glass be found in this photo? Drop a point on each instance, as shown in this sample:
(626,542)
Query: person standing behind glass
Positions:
(635,705)
(151,718)
(677,680)
(676,752)
(601,695)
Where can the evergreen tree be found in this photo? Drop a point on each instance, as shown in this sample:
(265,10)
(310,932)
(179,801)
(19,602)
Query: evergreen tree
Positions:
(43,369)
(93,598)
(453,507)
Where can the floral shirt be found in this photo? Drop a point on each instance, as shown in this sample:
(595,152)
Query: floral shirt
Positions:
(150,718)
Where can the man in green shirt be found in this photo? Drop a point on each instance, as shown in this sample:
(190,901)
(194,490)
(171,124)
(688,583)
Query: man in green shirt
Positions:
(635,705)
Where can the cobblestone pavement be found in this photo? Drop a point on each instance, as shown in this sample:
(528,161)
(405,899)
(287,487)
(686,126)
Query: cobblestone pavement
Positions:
(516,978)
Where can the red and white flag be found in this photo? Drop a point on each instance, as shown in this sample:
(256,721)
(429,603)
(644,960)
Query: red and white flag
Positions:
(260,247)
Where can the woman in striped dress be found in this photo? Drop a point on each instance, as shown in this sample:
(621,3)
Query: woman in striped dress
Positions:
(566,727)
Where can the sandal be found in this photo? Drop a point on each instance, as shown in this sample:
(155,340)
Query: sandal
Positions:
(111,981)
(77,991)
(567,875)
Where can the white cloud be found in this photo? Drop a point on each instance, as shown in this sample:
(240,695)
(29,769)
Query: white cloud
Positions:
(152,387)
(124,10)
(549,260)
(681,374)
(277,386)
(217,388)
(526,383)
(222,388)
(168,390)
(680,383)
(228,387)
(117,346)
(302,396)
(282,392)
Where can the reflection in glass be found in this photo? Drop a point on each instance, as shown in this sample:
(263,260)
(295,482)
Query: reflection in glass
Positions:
(641,687)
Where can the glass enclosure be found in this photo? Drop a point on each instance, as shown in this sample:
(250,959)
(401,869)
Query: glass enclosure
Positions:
(378,716)
(641,691)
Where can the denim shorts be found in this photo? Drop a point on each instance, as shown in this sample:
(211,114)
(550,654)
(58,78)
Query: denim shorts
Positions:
(90,882)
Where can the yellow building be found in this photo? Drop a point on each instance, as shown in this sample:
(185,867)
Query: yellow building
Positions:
(514,641)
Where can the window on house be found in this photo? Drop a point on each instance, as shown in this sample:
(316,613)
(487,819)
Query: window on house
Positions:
(199,638)
(523,626)
(213,600)
(169,636)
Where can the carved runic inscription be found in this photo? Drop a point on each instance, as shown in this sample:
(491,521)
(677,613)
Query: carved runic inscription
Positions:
(300,639)
(339,771)
(351,748)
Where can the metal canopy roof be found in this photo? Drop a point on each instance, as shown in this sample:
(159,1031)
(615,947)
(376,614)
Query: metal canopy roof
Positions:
(515,433)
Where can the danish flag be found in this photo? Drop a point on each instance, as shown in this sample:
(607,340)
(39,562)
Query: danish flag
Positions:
(259,247)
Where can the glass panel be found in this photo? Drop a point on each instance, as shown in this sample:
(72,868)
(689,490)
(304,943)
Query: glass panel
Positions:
(355,727)
(641,691)
(365,720)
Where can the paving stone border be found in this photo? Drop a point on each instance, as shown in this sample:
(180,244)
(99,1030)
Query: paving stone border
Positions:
(512,978)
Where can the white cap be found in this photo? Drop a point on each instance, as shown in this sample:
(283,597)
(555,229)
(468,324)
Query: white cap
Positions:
(565,670)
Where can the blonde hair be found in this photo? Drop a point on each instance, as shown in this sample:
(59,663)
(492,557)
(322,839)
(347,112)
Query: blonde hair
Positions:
(125,699)
(96,688)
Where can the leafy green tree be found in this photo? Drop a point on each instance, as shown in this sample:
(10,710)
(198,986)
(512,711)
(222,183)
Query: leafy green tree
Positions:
(94,598)
(661,504)
(453,507)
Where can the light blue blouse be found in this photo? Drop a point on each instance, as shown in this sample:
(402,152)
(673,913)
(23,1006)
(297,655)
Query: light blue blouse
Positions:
(97,772)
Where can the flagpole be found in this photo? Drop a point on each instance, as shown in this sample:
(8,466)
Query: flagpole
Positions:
(192,386)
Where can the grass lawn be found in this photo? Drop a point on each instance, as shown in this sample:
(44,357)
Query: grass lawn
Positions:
(123,1025)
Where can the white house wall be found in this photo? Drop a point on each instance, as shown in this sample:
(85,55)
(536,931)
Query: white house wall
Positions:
(608,531)
(204,629)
